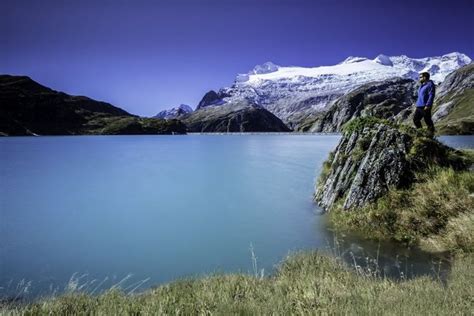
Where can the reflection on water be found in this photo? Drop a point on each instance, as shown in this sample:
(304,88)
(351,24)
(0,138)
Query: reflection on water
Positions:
(390,260)
(458,141)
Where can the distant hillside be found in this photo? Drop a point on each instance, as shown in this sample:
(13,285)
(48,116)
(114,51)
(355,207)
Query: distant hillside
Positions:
(28,108)
(235,117)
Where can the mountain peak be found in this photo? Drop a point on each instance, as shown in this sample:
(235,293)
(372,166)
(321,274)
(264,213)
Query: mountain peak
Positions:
(383,60)
(174,112)
(264,68)
(353,59)
(460,57)
(185,107)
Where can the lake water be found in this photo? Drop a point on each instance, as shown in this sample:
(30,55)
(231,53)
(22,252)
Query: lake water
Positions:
(151,209)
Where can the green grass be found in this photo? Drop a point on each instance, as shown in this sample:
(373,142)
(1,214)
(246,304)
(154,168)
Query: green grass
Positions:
(305,283)
(429,210)
(134,125)
(326,169)
(359,123)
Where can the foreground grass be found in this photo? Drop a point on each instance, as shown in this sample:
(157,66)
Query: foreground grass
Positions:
(305,283)
(437,213)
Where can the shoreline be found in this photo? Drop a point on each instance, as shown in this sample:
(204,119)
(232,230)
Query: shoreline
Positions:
(209,133)
(305,281)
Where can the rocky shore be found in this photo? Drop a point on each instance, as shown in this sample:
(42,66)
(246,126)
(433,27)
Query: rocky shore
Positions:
(392,181)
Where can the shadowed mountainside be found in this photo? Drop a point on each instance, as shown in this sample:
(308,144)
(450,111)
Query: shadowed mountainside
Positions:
(241,117)
(28,108)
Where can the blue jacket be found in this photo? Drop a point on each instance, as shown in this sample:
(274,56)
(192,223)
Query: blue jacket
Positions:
(426,94)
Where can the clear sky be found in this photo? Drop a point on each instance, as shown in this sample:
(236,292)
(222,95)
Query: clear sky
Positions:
(145,56)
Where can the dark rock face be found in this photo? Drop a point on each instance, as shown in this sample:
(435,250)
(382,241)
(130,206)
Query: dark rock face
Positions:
(457,82)
(454,110)
(211,98)
(241,117)
(389,99)
(28,108)
(366,163)
(374,156)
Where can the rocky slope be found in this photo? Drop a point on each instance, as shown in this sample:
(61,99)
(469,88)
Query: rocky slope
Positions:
(211,98)
(234,117)
(28,108)
(373,156)
(389,99)
(393,99)
(454,103)
(294,93)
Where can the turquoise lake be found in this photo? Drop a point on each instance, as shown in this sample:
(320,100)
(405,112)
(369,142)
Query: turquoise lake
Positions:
(152,209)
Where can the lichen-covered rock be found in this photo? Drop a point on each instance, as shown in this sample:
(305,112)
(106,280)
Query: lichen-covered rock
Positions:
(373,156)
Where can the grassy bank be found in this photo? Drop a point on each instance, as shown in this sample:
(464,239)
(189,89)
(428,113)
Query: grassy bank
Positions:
(432,206)
(437,213)
(306,282)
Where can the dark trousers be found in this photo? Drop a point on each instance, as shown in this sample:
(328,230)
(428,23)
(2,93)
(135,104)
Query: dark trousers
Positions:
(421,113)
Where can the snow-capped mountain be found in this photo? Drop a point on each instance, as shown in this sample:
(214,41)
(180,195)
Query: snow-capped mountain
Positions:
(293,92)
(174,112)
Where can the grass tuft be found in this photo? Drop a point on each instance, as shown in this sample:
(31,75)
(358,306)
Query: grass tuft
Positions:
(430,209)
(306,282)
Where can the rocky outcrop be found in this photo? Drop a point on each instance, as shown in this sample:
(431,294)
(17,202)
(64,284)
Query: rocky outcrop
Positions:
(211,98)
(389,99)
(240,117)
(28,108)
(373,156)
(454,110)
(457,82)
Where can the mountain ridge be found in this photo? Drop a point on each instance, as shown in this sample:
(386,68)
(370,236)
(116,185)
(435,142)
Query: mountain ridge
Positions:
(29,108)
(291,93)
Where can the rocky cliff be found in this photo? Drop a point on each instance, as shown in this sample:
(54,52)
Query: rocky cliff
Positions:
(389,99)
(454,104)
(374,156)
(211,98)
(29,108)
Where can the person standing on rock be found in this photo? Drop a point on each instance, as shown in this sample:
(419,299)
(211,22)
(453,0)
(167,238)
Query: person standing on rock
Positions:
(424,103)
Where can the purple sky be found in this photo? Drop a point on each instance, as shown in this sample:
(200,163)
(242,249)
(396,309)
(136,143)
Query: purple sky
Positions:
(145,56)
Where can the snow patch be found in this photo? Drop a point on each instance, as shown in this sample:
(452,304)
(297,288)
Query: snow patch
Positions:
(383,60)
